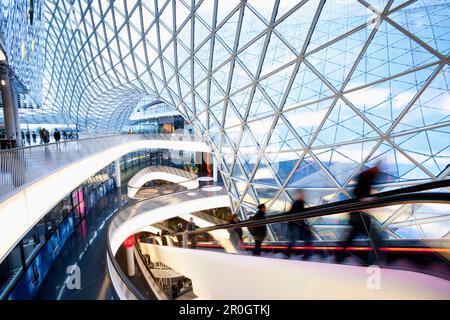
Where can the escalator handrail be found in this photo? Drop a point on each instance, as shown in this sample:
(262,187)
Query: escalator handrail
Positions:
(417,188)
(331,209)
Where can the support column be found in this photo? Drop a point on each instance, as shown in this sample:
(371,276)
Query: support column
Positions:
(7,101)
(129,247)
(214,168)
(117,176)
(16,113)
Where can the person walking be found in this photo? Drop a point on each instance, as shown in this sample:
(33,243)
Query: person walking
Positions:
(361,222)
(46,136)
(42,135)
(192,237)
(259,232)
(28,136)
(57,136)
(300,227)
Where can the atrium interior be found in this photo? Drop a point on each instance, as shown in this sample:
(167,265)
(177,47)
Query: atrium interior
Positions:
(224,149)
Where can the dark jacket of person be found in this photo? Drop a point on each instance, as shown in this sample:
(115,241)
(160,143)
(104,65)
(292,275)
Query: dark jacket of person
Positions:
(259,232)
(190,226)
(364,185)
(297,207)
(57,135)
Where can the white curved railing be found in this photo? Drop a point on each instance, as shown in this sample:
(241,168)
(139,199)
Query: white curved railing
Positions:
(175,175)
(49,173)
(22,166)
(222,276)
(134,218)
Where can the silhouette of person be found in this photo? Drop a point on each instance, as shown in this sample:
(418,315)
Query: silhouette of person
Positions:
(361,222)
(298,227)
(259,232)
(192,237)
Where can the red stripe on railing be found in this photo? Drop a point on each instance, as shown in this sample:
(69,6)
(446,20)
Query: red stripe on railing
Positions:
(337,248)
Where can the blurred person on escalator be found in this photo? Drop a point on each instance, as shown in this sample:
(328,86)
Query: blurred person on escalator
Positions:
(192,237)
(299,227)
(164,233)
(360,222)
(259,232)
(236,233)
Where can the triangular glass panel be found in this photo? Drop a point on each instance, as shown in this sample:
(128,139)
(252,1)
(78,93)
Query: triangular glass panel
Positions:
(224,9)
(342,161)
(305,120)
(276,55)
(260,129)
(220,53)
(432,107)
(264,8)
(394,165)
(228,31)
(217,112)
(201,32)
(238,172)
(251,27)
(390,52)
(429,148)
(295,27)
(231,118)
(384,102)
(240,100)
(250,57)
(428,22)
(343,125)
(263,174)
(265,195)
(250,198)
(310,175)
(182,12)
(338,18)
(240,76)
(336,60)
(306,87)
(275,85)
(260,106)
(280,204)
(182,53)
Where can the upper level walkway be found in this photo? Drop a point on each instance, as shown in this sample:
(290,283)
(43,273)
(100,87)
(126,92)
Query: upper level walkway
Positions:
(33,179)
(22,166)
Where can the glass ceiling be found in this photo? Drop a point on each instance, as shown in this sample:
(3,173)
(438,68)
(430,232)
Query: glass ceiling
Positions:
(290,94)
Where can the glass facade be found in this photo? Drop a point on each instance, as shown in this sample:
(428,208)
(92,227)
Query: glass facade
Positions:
(290,94)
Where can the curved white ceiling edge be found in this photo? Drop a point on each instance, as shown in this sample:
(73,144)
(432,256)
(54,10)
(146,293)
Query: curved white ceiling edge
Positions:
(141,178)
(214,276)
(20,212)
(136,223)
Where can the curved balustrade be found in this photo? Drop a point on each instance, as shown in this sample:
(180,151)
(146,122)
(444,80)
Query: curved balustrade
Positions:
(33,179)
(136,217)
(178,176)
(21,166)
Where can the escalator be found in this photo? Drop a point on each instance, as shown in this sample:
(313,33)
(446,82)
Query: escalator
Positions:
(420,254)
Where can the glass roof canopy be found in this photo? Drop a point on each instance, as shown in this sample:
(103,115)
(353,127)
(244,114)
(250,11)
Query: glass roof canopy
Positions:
(291,94)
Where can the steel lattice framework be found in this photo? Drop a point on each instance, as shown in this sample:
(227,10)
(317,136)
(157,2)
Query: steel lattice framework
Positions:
(291,94)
